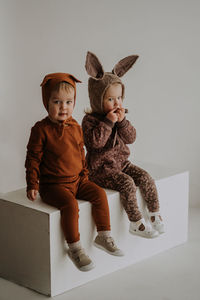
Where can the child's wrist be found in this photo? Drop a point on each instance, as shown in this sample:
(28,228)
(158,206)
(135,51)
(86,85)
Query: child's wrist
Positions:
(32,187)
(121,123)
(109,122)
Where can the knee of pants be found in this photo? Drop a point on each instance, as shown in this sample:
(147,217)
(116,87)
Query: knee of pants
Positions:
(70,207)
(128,186)
(100,195)
(146,178)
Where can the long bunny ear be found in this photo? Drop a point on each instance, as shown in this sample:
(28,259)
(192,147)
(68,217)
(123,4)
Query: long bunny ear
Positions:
(93,66)
(124,65)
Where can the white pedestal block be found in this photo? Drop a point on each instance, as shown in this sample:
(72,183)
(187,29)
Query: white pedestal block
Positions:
(33,251)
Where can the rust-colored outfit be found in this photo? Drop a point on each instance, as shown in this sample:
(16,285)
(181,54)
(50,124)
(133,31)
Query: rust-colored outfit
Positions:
(55,165)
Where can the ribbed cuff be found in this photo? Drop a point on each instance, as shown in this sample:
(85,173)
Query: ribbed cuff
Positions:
(122,123)
(109,122)
(32,187)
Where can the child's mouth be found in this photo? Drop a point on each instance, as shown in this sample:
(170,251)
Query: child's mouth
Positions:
(118,110)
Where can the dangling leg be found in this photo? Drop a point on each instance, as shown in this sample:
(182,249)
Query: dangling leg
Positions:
(124,184)
(149,191)
(93,193)
(61,197)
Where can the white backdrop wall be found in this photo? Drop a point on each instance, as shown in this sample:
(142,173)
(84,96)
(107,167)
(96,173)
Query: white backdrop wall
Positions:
(162,90)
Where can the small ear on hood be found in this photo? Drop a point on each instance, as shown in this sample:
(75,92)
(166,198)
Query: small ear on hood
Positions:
(75,79)
(59,77)
(124,65)
(93,66)
(44,81)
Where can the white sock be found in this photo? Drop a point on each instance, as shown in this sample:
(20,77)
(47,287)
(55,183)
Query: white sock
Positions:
(75,246)
(104,233)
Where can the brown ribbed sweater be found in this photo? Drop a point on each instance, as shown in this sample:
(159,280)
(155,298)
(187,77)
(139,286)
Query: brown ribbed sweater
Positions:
(106,144)
(55,153)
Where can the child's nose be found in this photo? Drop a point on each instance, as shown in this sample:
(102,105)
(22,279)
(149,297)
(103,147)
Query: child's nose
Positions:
(116,102)
(63,105)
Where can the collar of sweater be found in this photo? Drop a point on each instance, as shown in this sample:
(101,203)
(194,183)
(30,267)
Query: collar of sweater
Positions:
(69,121)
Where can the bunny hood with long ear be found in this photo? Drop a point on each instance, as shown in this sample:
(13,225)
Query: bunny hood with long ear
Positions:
(51,80)
(100,80)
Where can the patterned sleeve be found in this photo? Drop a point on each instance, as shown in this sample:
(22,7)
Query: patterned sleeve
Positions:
(96,133)
(126,131)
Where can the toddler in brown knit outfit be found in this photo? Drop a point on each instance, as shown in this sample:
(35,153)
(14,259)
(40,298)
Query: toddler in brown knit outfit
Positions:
(55,166)
(106,135)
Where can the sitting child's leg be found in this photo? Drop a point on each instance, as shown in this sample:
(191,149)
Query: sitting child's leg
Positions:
(62,198)
(89,191)
(149,191)
(124,184)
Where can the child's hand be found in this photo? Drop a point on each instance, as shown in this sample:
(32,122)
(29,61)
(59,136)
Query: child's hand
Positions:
(112,116)
(120,114)
(31,194)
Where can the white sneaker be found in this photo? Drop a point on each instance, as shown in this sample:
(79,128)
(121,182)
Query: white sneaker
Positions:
(157,223)
(148,232)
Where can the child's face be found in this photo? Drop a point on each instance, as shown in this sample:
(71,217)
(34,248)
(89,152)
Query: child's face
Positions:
(61,105)
(112,98)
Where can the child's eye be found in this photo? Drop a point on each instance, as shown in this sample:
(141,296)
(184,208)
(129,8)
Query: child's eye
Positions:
(69,102)
(56,101)
(110,99)
(119,98)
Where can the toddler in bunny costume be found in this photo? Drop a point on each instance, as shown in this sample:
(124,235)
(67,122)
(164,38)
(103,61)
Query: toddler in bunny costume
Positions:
(106,135)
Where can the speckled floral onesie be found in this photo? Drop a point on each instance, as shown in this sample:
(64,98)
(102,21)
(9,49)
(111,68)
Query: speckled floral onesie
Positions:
(107,159)
(106,142)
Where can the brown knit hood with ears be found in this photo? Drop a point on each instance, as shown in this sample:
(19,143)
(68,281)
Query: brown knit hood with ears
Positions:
(51,80)
(100,80)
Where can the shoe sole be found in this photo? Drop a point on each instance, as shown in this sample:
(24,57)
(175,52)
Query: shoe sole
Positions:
(109,252)
(161,230)
(87,268)
(83,268)
(144,235)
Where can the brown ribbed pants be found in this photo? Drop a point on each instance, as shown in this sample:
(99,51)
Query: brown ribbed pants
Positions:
(64,197)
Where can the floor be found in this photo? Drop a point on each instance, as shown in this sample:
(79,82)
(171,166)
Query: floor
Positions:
(172,275)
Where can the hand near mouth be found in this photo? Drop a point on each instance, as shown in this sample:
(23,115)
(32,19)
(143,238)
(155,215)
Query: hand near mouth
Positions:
(112,115)
(120,113)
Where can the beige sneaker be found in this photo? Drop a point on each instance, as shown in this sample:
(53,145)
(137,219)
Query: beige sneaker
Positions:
(81,260)
(107,244)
